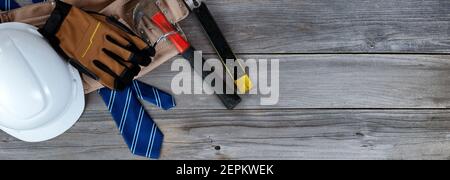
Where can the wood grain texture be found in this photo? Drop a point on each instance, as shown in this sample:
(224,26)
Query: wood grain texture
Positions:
(258,134)
(360,79)
(329,26)
(336,81)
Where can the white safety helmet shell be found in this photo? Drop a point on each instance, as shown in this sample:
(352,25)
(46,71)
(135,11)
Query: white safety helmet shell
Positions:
(41,95)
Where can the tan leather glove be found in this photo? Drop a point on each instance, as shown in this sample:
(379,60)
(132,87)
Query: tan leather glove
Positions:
(97,45)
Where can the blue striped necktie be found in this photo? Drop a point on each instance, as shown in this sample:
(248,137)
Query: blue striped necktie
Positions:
(140,132)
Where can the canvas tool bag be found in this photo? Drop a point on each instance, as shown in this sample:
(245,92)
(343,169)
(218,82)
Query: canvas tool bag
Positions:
(175,11)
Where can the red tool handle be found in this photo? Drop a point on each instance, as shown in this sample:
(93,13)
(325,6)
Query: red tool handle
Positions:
(162,23)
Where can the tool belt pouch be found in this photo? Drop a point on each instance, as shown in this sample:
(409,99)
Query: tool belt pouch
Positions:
(175,11)
(38,13)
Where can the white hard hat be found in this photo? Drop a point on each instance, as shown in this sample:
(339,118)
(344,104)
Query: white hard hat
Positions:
(41,95)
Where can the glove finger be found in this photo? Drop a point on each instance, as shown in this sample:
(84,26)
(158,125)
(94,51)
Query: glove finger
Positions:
(104,74)
(139,42)
(127,39)
(141,57)
(118,49)
(107,80)
(118,61)
(121,72)
(118,39)
(130,53)
(140,48)
(131,36)
(119,30)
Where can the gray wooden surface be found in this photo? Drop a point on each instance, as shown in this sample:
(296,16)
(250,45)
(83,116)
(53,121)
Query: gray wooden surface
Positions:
(360,79)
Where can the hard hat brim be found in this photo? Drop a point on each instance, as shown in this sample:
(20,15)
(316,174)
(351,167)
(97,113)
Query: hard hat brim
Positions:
(64,119)
(61,124)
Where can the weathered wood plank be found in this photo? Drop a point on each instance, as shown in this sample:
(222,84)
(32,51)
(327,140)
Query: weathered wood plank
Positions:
(329,26)
(304,125)
(337,81)
(258,134)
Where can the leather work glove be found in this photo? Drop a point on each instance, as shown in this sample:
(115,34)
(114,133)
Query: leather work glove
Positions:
(97,45)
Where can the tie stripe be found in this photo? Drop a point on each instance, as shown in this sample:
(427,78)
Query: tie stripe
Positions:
(173,102)
(125,111)
(136,86)
(158,98)
(151,140)
(137,130)
(112,99)
(140,132)
(154,95)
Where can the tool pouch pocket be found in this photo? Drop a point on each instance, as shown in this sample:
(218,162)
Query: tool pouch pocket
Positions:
(38,13)
(175,10)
